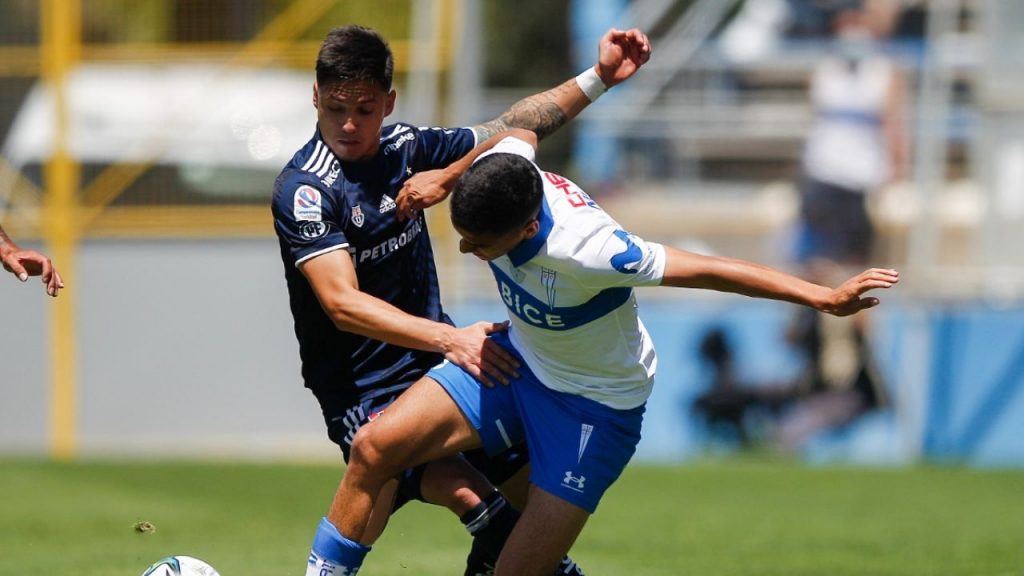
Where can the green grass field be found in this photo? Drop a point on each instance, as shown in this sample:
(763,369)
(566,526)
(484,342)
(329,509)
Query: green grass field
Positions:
(747,516)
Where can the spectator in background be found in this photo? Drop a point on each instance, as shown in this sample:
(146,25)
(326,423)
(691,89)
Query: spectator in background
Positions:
(724,406)
(24,263)
(838,384)
(857,145)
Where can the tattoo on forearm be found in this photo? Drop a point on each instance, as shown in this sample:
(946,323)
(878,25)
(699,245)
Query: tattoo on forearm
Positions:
(540,113)
(488,129)
(536,115)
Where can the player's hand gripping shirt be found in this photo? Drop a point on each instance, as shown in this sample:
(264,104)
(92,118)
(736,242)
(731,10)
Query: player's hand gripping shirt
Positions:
(322,204)
(569,292)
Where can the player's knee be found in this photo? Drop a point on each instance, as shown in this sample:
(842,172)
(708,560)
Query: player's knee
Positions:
(374,455)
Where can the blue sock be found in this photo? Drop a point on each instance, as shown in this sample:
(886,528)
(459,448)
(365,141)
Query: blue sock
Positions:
(333,554)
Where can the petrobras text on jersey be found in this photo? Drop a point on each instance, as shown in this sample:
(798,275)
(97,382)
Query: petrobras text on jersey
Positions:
(391,244)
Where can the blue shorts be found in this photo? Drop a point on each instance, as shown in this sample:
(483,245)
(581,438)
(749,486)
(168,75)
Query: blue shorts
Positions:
(345,416)
(578,447)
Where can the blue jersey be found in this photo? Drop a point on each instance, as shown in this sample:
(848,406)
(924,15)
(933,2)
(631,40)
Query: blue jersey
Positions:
(322,204)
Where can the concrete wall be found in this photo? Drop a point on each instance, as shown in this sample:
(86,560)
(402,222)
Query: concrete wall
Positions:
(186,348)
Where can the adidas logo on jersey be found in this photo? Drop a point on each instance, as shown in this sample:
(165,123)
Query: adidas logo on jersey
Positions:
(386,204)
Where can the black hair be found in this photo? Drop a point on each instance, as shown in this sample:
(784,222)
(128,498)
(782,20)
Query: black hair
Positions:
(496,195)
(355,53)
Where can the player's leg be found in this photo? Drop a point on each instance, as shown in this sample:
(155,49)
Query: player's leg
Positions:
(503,459)
(422,425)
(330,550)
(578,449)
(493,415)
(491,522)
(344,413)
(451,482)
(517,487)
(489,518)
(454,483)
(543,536)
(382,510)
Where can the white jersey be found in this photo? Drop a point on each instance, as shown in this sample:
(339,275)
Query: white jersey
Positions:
(569,292)
(847,146)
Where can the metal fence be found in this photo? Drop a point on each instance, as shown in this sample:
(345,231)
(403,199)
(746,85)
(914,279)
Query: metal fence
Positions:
(159,119)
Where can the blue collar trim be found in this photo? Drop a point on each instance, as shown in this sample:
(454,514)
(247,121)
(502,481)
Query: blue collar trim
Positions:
(529,248)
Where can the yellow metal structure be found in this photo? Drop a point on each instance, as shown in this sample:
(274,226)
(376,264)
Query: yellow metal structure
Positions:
(71,205)
(285,28)
(61,26)
(282,41)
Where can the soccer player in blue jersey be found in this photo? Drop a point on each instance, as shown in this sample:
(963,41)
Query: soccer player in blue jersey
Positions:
(360,272)
(566,272)
(24,263)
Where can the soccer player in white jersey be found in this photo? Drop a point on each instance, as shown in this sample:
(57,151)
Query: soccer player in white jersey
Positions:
(566,271)
(361,278)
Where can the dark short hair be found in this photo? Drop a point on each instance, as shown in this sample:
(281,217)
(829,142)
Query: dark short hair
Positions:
(497,194)
(355,53)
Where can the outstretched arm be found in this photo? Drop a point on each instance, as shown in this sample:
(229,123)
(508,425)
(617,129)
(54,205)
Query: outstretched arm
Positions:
(25,263)
(620,54)
(689,270)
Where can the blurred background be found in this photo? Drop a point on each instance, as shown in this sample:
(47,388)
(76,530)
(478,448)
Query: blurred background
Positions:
(139,141)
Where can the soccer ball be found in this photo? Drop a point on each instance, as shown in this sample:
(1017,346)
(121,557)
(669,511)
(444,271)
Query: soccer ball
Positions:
(180,566)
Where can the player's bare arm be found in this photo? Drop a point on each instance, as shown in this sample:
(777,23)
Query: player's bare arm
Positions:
(425,189)
(24,263)
(689,270)
(620,54)
(333,278)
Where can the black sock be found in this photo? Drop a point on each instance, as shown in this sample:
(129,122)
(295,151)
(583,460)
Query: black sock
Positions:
(491,522)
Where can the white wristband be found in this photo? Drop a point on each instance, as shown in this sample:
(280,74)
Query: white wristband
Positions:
(591,84)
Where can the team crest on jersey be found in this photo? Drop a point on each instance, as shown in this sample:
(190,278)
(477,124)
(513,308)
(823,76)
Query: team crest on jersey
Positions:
(332,174)
(357,216)
(386,204)
(307,204)
(547,278)
(585,431)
